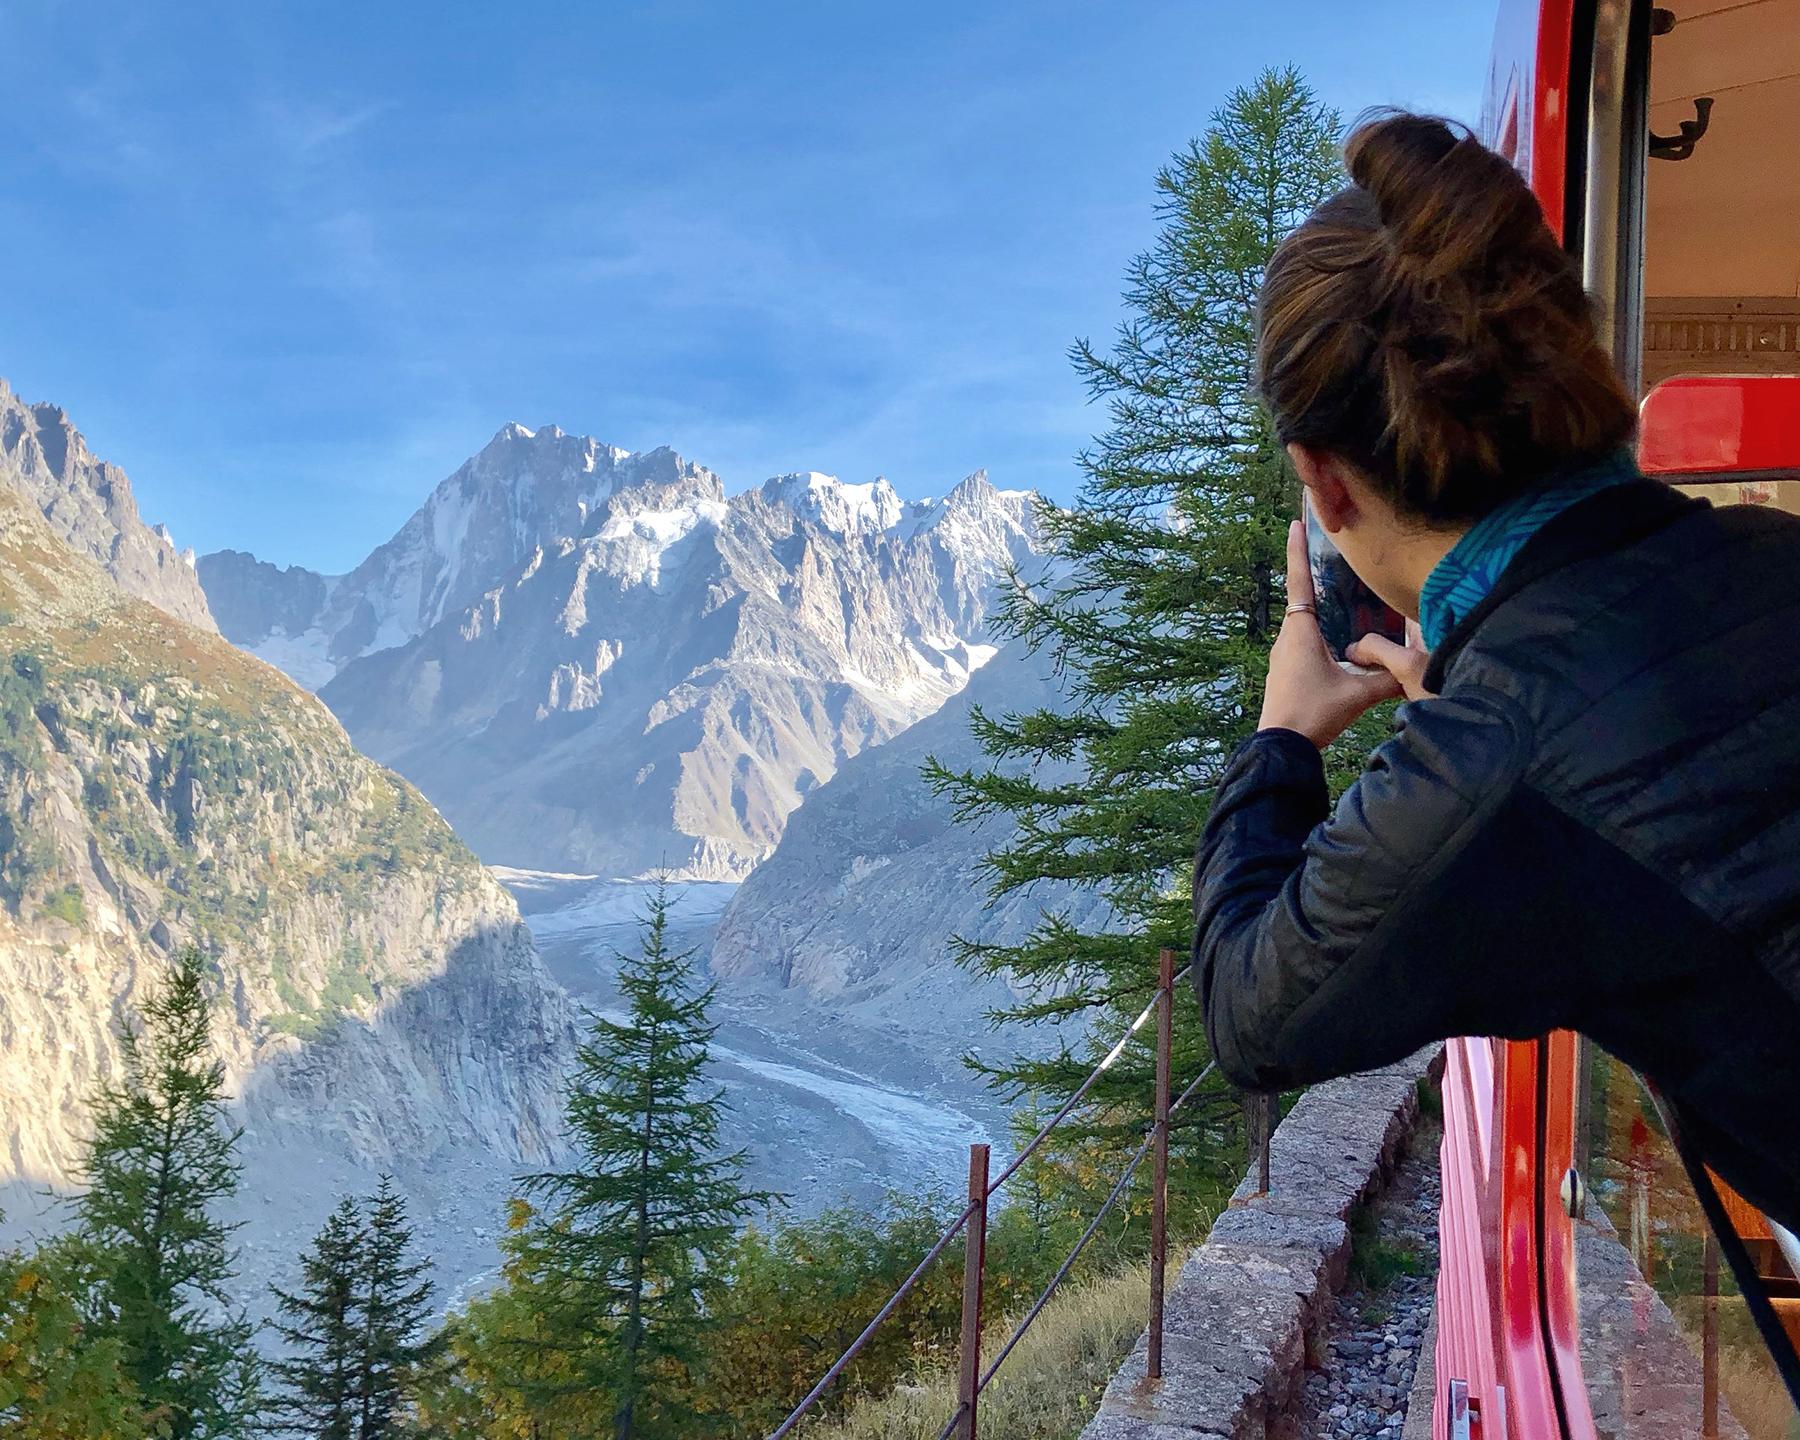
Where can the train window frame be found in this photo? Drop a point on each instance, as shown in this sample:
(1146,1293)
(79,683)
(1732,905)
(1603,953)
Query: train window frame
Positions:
(1612,181)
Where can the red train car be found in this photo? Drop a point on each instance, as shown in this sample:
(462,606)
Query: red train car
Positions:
(1661,142)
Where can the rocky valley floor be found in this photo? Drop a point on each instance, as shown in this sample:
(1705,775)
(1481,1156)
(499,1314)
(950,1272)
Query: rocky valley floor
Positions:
(833,1104)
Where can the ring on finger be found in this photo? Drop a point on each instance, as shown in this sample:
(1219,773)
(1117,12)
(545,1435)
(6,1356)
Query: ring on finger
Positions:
(1301,608)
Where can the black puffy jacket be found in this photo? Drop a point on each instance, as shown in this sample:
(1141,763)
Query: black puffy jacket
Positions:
(1594,826)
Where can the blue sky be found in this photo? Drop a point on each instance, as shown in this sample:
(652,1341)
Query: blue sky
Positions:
(290,264)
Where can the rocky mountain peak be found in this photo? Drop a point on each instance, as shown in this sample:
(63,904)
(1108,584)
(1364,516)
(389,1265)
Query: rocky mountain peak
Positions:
(668,478)
(592,658)
(973,489)
(90,507)
(976,493)
(526,493)
(551,484)
(835,505)
(978,522)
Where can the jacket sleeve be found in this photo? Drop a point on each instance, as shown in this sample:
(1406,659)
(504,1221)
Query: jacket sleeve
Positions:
(1331,942)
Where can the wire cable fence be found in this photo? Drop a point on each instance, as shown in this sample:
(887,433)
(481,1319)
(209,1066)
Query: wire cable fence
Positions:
(971,1222)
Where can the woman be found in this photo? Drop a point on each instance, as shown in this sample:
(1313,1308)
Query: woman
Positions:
(1589,816)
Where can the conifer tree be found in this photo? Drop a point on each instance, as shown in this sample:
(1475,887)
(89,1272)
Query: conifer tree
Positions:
(399,1353)
(359,1349)
(1160,607)
(319,1322)
(161,1161)
(629,1255)
(508,1374)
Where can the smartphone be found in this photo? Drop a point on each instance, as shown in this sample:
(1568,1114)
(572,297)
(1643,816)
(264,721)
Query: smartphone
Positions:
(1347,609)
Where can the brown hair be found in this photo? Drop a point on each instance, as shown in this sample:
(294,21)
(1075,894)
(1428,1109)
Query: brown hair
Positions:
(1425,324)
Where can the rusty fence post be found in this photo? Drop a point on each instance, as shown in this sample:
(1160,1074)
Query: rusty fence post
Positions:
(1159,1183)
(974,1265)
(1709,1338)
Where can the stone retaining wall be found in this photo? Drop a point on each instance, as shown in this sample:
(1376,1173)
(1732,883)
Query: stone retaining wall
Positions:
(1248,1301)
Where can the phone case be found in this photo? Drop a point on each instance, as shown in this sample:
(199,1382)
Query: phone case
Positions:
(1347,609)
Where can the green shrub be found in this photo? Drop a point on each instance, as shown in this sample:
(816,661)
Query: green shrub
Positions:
(345,988)
(1376,1260)
(66,905)
(24,856)
(21,691)
(295,1022)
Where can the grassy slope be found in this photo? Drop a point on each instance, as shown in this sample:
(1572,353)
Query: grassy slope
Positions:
(1050,1385)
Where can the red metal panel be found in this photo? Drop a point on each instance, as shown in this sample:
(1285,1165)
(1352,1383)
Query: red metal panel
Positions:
(1466,1291)
(1714,424)
(1501,1215)
(1562,1315)
(1531,61)
(1525,1370)
(1494,1309)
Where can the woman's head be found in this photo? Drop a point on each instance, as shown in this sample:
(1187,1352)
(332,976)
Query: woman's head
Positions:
(1425,327)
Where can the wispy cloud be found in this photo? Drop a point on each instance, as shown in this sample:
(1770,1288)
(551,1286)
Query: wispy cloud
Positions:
(313,257)
(303,128)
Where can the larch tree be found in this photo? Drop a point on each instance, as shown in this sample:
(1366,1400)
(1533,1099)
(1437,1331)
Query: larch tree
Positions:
(1159,604)
(628,1257)
(162,1160)
(400,1352)
(56,1381)
(318,1321)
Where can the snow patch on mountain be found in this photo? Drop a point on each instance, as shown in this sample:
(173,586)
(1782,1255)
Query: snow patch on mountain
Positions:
(301,657)
(845,509)
(645,538)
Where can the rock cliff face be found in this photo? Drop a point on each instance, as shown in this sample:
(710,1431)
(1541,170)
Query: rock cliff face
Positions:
(250,597)
(859,903)
(379,998)
(88,505)
(596,661)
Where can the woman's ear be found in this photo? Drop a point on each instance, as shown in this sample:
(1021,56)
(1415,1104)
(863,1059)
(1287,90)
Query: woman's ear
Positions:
(1323,475)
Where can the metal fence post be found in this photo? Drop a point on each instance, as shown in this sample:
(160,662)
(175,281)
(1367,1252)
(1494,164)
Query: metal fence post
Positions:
(1159,1183)
(1709,1337)
(974,1265)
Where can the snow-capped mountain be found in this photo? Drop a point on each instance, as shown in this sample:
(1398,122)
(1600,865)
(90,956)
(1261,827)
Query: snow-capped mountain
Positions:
(596,660)
(524,490)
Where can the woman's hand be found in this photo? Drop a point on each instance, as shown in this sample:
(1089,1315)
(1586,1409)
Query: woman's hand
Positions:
(1309,691)
(1406,663)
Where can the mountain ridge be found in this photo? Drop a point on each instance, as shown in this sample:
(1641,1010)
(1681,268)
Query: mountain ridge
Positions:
(874,880)
(159,788)
(603,662)
(468,535)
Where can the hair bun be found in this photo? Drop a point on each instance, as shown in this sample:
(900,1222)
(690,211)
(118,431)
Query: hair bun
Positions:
(1428,178)
(1426,324)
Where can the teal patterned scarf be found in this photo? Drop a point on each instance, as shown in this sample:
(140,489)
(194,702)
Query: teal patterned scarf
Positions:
(1458,583)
